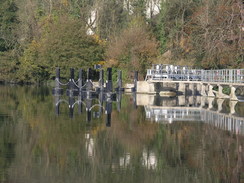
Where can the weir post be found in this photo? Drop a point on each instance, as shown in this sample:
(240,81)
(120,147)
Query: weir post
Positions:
(70,91)
(80,80)
(119,82)
(88,80)
(101,80)
(57,90)
(57,79)
(109,83)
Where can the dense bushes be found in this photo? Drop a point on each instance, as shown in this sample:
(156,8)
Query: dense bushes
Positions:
(37,36)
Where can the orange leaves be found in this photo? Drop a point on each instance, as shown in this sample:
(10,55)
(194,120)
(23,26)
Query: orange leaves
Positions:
(133,49)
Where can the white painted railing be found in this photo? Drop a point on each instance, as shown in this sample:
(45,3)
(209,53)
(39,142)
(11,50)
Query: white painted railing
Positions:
(220,76)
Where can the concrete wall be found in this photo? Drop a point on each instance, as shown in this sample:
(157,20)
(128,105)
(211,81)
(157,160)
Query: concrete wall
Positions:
(145,87)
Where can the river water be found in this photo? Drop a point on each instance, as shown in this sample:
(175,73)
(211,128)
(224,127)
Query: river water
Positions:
(148,139)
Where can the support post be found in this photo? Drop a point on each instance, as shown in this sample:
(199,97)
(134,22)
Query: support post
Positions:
(220,104)
(232,106)
(203,101)
(210,91)
(210,103)
(198,89)
(203,90)
(220,93)
(233,93)
(191,88)
(182,88)
(181,100)
(71,89)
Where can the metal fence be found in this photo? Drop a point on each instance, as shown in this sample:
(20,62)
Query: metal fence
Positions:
(223,75)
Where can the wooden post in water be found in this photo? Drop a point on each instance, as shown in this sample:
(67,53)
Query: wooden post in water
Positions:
(88,84)
(57,90)
(70,91)
(119,79)
(109,84)
(80,80)
(57,79)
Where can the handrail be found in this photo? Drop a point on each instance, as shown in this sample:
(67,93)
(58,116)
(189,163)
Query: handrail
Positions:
(223,75)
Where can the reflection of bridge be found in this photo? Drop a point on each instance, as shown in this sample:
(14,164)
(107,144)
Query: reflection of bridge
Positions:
(196,111)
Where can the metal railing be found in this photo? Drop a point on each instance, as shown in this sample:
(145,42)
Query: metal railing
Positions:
(223,75)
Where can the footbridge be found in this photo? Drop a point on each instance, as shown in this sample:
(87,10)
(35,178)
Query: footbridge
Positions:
(183,80)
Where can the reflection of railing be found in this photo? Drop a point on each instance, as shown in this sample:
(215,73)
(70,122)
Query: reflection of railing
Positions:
(221,120)
(171,114)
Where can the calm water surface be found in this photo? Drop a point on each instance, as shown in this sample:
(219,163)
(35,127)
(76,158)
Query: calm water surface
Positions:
(151,139)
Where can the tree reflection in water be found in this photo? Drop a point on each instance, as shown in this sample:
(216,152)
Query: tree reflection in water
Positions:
(50,148)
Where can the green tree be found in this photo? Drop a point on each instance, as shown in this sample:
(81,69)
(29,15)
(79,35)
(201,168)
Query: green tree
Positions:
(65,44)
(8,23)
